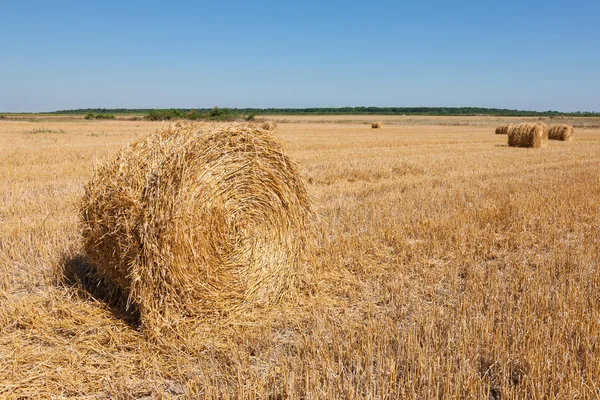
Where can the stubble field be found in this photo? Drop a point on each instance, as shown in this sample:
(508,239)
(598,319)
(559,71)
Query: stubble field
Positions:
(449,266)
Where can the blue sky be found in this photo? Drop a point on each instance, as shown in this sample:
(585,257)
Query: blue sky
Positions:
(534,55)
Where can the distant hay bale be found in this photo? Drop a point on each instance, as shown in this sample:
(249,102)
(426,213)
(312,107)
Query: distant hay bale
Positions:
(198,221)
(269,125)
(561,132)
(377,125)
(528,135)
(504,129)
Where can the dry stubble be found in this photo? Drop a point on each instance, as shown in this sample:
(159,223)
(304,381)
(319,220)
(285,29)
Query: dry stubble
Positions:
(450,266)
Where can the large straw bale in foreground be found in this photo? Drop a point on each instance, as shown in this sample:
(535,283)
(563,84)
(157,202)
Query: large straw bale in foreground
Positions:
(504,129)
(528,135)
(561,132)
(198,220)
(377,125)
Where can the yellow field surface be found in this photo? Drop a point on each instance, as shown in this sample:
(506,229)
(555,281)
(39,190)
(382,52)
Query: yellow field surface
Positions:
(588,122)
(449,266)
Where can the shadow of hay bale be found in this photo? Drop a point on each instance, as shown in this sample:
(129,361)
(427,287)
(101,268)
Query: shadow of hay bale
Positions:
(76,271)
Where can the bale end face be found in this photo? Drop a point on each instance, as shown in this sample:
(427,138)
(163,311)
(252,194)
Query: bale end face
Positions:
(198,220)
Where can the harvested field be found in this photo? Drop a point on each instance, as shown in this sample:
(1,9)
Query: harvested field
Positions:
(448,265)
(578,122)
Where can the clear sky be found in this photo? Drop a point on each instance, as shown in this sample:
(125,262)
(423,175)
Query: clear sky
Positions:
(534,55)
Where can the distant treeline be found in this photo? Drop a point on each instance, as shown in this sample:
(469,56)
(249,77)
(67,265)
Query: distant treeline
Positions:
(213,114)
(435,111)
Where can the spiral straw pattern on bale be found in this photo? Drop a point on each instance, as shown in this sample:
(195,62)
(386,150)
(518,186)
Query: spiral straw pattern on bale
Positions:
(528,135)
(198,221)
(377,125)
(504,129)
(561,132)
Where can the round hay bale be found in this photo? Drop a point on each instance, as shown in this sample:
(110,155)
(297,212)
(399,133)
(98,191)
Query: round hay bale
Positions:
(504,129)
(269,125)
(561,132)
(528,135)
(198,221)
(377,125)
